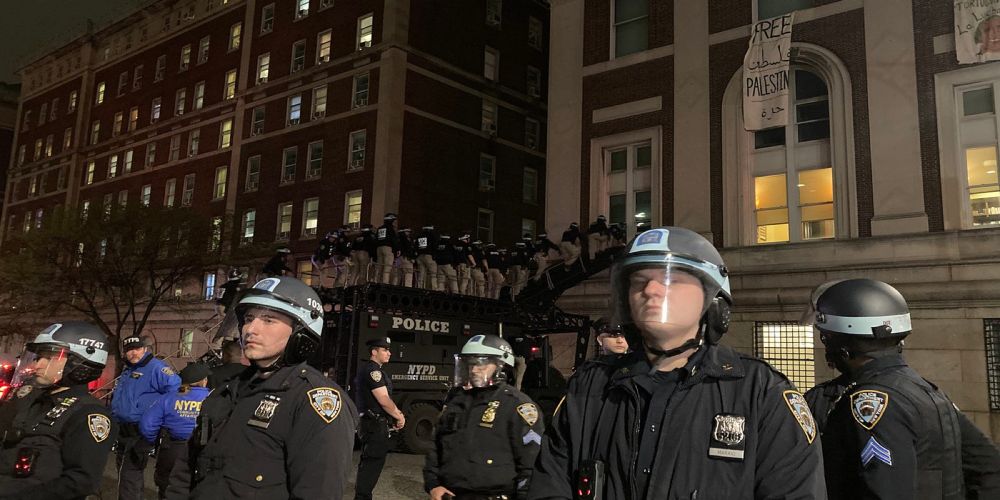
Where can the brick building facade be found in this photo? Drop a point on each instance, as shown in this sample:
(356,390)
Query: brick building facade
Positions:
(289,118)
(884,172)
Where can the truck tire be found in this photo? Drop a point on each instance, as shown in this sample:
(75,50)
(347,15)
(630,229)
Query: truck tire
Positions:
(418,434)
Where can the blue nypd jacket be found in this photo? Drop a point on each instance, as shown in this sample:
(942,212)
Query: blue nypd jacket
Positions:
(176,412)
(139,386)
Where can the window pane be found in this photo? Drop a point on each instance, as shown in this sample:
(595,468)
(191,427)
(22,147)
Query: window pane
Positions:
(616,209)
(770,192)
(619,160)
(630,9)
(816,186)
(977,101)
(643,208)
(808,85)
(981,164)
(788,347)
(769,137)
(814,130)
(643,156)
(631,37)
(984,195)
(812,111)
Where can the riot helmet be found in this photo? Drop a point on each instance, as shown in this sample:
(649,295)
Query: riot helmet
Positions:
(676,279)
(389,217)
(481,362)
(295,299)
(65,354)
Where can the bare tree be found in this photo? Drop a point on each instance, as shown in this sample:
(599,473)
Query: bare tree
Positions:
(115,267)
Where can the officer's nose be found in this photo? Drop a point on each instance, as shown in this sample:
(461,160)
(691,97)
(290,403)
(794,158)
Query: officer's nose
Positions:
(654,288)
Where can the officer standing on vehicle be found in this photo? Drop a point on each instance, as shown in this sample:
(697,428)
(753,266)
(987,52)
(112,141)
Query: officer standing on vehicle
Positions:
(322,260)
(543,245)
(494,276)
(488,434)
(890,433)
(462,249)
(143,380)
(278,265)
(54,436)
(427,269)
(176,414)
(477,266)
(444,257)
(387,247)
(281,429)
(597,236)
(682,416)
(569,247)
(230,290)
(379,416)
(342,257)
(407,254)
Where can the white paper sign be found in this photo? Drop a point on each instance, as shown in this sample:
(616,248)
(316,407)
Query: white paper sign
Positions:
(765,74)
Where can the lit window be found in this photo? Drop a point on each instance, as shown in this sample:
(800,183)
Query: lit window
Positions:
(128,160)
(230,89)
(631,26)
(352,208)
(180,101)
(301,9)
(487,173)
(67,143)
(123,198)
(315,160)
(226,134)
(324,4)
(74,96)
(360,91)
(629,185)
(365,28)
(194,137)
(310,217)
(789,348)
(284,222)
(113,167)
(267,19)
(99,98)
(169,191)
(48,146)
(133,119)
(187,195)
(983,189)
(263,67)
(298,56)
(294,110)
(209,294)
(53,111)
(150,154)
(116,127)
(289,157)
(249,222)
(357,141)
(235,32)
(203,49)
(323,41)
(154,112)
(185,57)
(253,174)
(319,102)
(38,149)
(220,183)
(147,193)
(491,63)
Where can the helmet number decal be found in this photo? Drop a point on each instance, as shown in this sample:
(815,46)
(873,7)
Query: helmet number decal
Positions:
(313,303)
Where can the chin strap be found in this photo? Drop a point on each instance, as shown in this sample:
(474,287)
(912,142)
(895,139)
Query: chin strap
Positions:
(689,344)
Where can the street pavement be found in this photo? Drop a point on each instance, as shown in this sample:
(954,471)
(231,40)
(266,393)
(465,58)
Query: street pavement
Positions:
(401,479)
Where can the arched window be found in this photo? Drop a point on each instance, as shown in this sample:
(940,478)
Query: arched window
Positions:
(792,183)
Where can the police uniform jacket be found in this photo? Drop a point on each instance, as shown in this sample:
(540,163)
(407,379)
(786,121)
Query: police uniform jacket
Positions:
(325,250)
(426,243)
(343,248)
(406,247)
(479,256)
(733,428)
(176,412)
(461,254)
(571,235)
(598,227)
(385,236)
(893,435)
(276,266)
(543,245)
(370,377)
(486,442)
(71,434)
(139,386)
(444,254)
(286,436)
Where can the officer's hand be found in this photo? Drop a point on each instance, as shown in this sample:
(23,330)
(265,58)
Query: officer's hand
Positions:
(440,493)
(400,422)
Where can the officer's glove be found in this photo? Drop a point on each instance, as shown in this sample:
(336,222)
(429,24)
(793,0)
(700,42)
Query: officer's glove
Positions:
(144,449)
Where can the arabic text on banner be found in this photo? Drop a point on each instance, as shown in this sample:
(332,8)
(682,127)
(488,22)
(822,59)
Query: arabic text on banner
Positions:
(765,74)
(977,30)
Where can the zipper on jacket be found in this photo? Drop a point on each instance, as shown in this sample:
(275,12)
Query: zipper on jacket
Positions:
(634,442)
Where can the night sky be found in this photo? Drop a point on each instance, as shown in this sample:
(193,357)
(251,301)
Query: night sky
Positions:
(29,28)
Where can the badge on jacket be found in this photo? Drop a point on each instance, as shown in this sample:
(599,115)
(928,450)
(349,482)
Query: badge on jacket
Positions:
(99,425)
(265,411)
(728,438)
(868,406)
(489,415)
(800,410)
(327,402)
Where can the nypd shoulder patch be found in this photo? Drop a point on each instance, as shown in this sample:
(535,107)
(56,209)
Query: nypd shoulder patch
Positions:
(376,375)
(868,406)
(326,401)
(528,412)
(800,410)
(99,426)
(167,371)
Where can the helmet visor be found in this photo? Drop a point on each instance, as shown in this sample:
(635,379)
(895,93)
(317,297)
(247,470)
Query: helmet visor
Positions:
(41,365)
(476,371)
(660,295)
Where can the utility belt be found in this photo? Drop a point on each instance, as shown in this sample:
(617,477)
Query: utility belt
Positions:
(378,417)
(472,495)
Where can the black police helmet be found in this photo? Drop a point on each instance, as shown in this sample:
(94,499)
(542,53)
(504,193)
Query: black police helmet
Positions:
(863,308)
(87,346)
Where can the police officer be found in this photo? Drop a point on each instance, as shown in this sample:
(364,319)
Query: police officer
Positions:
(597,236)
(322,260)
(342,257)
(569,247)
(610,338)
(488,434)
(407,253)
(379,416)
(176,414)
(387,247)
(230,290)
(543,245)
(477,265)
(682,416)
(55,436)
(427,270)
(143,380)
(278,265)
(362,251)
(889,433)
(519,260)
(617,233)
(494,275)
(281,429)
(444,257)
(463,250)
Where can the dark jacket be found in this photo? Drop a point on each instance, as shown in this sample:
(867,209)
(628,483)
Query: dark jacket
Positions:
(71,432)
(287,436)
(729,403)
(891,434)
(486,442)
(277,266)
(385,236)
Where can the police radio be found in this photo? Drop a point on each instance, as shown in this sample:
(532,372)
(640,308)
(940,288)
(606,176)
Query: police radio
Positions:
(590,480)
(25,460)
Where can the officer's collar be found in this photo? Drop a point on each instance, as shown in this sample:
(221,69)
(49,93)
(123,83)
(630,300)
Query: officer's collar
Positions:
(708,361)
(882,360)
(142,362)
(60,392)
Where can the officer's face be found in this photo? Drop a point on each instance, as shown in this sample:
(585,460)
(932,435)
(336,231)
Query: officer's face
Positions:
(666,304)
(480,374)
(381,355)
(265,335)
(48,367)
(135,354)
(613,344)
